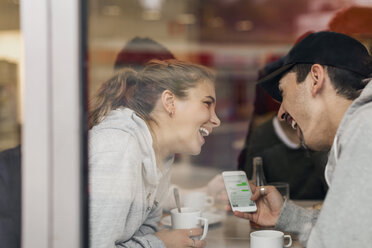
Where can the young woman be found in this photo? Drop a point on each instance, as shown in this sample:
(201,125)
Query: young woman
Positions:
(138,122)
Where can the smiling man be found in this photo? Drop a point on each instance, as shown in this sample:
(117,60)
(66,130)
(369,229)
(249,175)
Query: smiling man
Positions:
(325,94)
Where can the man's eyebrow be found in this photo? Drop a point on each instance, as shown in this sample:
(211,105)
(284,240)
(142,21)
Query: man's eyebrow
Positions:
(212,98)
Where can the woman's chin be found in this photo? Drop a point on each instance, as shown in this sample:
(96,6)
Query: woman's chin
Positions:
(195,151)
(192,148)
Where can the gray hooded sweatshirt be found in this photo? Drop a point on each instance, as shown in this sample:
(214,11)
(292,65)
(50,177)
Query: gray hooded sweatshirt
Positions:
(125,185)
(346,216)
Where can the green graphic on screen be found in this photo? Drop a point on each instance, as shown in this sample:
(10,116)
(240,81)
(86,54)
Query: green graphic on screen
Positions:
(240,193)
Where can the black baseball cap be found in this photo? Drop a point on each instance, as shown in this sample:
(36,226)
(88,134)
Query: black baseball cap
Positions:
(325,48)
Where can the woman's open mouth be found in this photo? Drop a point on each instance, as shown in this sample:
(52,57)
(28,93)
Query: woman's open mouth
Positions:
(203,131)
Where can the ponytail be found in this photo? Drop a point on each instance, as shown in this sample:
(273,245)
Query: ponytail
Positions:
(114,93)
(140,91)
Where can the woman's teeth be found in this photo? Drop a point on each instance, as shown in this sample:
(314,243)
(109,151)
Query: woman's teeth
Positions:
(203,131)
(294,124)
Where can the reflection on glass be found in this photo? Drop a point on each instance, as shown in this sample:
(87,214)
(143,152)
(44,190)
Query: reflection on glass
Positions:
(235,38)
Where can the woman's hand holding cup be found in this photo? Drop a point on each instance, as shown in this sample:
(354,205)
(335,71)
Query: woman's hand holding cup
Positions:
(181,238)
(186,229)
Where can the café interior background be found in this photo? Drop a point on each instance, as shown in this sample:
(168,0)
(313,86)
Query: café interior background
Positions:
(234,37)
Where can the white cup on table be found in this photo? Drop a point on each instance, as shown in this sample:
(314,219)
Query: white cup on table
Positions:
(198,199)
(269,239)
(188,218)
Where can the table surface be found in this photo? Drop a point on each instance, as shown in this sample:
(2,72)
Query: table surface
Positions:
(234,232)
(231,232)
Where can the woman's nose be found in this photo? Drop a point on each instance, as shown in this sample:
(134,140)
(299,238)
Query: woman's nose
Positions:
(215,120)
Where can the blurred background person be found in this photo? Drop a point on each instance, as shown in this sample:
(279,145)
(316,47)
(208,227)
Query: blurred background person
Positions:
(354,21)
(10,198)
(138,51)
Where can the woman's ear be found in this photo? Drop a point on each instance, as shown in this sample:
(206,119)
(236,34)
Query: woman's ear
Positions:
(317,73)
(167,99)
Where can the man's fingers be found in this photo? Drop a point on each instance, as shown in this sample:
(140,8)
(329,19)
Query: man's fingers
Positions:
(256,195)
(255,192)
(243,215)
(253,187)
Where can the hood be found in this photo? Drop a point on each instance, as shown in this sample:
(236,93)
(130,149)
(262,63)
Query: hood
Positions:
(364,98)
(126,120)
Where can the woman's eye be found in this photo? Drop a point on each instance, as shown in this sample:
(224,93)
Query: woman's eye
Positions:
(208,103)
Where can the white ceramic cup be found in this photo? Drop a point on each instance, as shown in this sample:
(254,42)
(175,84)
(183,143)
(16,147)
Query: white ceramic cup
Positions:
(198,200)
(269,239)
(188,218)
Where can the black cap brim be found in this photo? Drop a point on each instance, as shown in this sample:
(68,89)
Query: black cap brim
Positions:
(271,82)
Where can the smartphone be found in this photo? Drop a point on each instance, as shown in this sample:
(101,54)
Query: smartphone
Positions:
(239,192)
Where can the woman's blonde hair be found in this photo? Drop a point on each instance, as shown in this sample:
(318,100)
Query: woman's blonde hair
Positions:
(139,91)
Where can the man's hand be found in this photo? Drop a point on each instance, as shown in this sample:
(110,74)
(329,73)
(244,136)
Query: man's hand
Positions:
(268,206)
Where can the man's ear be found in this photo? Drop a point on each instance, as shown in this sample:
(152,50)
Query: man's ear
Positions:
(317,73)
(167,99)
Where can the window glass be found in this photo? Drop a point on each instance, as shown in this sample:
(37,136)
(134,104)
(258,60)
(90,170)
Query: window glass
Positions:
(235,38)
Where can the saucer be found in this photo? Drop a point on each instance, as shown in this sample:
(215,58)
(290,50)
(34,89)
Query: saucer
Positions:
(213,218)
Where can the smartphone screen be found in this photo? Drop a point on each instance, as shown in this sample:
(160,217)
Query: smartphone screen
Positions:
(239,192)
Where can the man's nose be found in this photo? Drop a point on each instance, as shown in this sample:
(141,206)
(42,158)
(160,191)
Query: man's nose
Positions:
(281,113)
